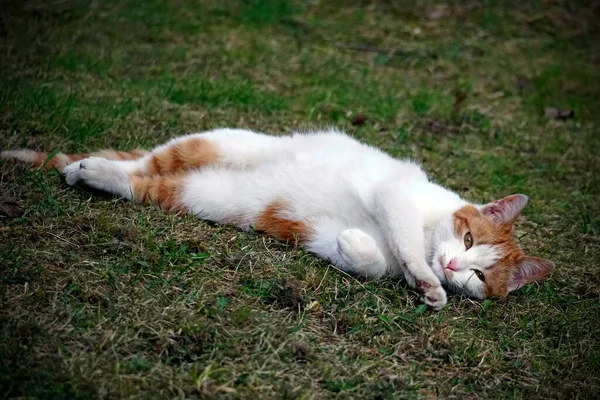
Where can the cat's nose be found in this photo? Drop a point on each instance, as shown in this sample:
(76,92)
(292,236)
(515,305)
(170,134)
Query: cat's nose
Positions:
(451,265)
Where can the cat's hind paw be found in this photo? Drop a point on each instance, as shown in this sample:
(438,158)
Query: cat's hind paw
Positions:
(360,254)
(71,173)
(98,173)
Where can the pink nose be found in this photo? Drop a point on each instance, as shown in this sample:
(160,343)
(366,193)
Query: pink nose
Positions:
(451,265)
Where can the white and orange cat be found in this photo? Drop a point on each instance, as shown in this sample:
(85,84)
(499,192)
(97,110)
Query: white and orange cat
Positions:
(363,210)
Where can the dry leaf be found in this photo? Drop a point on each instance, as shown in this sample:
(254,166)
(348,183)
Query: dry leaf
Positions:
(9,207)
(558,113)
(459,99)
(314,307)
(358,119)
(440,127)
(302,349)
(523,84)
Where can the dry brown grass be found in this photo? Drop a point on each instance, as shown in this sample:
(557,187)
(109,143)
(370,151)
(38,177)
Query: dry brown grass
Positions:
(101,298)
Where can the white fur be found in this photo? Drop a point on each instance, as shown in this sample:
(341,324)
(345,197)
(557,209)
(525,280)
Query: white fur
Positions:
(99,173)
(25,155)
(360,254)
(371,214)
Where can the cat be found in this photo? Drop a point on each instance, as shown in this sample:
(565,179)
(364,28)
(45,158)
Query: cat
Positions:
(364,211)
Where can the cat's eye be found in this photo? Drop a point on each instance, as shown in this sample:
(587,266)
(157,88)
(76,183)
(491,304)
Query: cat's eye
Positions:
(480,275)
(468,240)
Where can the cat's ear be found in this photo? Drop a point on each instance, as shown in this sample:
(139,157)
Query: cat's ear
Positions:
(506,210)
(530,269)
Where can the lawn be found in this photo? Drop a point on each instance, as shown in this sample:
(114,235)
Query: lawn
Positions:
(100,298)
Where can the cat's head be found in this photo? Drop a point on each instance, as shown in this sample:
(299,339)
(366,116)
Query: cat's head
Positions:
(474,251)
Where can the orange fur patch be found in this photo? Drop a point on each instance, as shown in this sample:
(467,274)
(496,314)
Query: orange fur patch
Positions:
(187,154)
(164,191)
(485,231)
(274,224)
(118,155)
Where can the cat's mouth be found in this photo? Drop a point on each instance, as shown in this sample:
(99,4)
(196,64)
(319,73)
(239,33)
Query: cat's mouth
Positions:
(437,266)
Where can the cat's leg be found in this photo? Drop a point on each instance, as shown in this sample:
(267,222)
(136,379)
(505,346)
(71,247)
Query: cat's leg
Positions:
(402,225)
(238,197)
(163,191)
(242,198)
(232,148)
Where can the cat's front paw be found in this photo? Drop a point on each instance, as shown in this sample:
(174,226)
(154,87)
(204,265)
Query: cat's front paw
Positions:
(432,295)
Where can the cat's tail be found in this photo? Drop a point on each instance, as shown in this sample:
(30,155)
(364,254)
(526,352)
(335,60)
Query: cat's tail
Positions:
(61,160)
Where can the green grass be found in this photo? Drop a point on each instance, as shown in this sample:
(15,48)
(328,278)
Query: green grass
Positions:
(100,298)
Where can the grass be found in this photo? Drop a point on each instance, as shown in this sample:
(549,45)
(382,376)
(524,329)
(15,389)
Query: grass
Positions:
(100,298)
